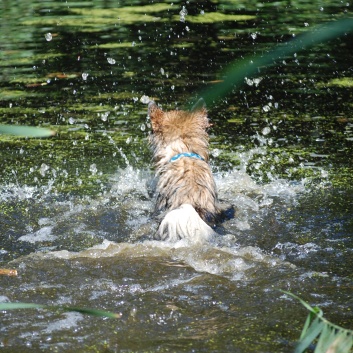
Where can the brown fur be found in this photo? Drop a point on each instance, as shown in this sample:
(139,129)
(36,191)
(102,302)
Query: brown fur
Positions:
(187,180)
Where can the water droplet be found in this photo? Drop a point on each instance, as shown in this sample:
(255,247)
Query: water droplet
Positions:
(321,9)
(162,71)
(253,35)
(257,81)
(133,44)
(266,108)
(143,127)
(48,37)
(104,116)
(43,169)
(128,140)
(265,131)
(202,12)
(172,87)
(84,76)
(182,14)
(71,120)
(306,24)
(111,61)
(93,169)
(187,28)
(145,99)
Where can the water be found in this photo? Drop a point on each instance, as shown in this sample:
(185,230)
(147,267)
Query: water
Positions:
(76,216)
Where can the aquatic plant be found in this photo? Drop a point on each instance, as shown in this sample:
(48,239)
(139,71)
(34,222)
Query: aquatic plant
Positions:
(25,131)
(238,71)
(328,337)
(87,311)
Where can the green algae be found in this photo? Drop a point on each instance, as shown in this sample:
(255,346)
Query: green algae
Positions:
(17,94)
(122,45)
(93,17)
(345,82)
(216,17)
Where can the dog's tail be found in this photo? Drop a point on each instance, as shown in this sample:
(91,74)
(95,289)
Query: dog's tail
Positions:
(184,223)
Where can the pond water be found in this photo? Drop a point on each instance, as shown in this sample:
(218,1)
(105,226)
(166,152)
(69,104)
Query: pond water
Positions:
(76,217)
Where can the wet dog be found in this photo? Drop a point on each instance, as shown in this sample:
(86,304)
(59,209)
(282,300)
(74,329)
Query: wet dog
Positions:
(185,189)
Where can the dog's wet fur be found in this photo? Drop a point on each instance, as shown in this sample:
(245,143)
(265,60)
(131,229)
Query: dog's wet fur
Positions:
(186,194)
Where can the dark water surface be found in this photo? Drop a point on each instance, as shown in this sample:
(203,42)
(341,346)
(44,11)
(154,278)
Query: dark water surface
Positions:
(75,211)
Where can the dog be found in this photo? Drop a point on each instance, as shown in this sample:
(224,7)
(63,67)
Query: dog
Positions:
(185,188)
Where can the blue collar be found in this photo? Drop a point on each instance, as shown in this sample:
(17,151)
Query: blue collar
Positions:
(186,154)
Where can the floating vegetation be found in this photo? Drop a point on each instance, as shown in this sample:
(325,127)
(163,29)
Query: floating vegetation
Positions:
(123,15)
(346,82)
(215,17)
(326,336)
(123,45)
(25,131)
(17,94)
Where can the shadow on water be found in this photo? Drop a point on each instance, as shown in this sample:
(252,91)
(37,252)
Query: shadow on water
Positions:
(75,211)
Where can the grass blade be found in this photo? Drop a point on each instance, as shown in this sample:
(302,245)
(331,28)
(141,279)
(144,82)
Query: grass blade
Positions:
(342,344)
(327,336)
(12,306)
(25,131)
(235,74)
(317,311)
(92,312)
(312,332)
(86,311)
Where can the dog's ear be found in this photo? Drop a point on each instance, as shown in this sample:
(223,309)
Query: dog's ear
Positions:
(156,115)
(199,105)
(200,110)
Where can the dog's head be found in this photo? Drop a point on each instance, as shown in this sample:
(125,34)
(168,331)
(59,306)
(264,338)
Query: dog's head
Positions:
(178,123)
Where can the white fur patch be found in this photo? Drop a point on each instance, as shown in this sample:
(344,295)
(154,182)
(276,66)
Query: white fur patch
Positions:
(184,223)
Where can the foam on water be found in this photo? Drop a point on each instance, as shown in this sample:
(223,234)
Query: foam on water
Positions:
(231,262)
(123,214)
(42,235)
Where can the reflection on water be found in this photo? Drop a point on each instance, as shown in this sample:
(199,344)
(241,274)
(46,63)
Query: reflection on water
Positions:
(76,217)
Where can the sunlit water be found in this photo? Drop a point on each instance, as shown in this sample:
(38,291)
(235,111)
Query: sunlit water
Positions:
(76,213)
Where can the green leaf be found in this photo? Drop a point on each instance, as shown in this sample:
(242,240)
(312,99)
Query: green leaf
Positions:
(342,344)
(12,306)
(236,73)
(92,312)
(308,321)
(317,311)
(327,336)
(312,332)
(331,338)
(25,131)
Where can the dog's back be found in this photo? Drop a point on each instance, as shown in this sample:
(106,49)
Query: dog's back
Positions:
(185,189)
